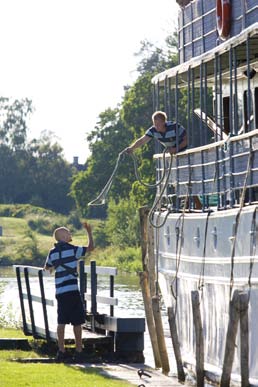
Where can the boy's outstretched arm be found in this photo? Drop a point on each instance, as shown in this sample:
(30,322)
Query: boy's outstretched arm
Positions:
(87,227)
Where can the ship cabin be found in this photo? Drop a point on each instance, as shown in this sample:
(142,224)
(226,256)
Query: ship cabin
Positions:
(213,93)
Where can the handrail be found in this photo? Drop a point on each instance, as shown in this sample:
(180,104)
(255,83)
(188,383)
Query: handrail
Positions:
(26,292)
(191,163)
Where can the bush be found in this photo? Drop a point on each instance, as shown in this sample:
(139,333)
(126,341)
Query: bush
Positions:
(123,224)
(100,235)
(126,259)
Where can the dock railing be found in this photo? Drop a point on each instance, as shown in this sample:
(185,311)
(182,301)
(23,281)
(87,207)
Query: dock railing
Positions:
(125,333)
(32,296)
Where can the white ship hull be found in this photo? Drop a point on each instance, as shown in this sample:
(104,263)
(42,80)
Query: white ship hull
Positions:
(195,252)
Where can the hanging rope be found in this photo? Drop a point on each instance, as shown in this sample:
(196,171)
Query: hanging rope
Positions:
(201,277)
(242,202)
(101,199)
(138,177)
(158,199)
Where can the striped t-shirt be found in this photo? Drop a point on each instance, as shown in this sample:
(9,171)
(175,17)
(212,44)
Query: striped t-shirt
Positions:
(168,138)
(64,257)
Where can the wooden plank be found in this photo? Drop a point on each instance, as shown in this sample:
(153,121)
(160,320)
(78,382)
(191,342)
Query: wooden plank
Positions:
(199,338)
(33,270)
(160,335)
(176,345)
(102,299)
(244,339)
(234,316)
(38,299)
(144,282)
(102,270)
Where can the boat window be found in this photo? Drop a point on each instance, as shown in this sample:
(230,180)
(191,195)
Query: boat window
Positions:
(248,104)
(239,112)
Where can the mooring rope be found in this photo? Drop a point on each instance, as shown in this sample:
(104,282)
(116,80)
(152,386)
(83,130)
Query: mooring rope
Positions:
(242,202)
(138,177)
(158,199)
(201,277)
(252,253)
(101,198)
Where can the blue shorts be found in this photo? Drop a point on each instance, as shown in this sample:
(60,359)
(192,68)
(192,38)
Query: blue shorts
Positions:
(70,309)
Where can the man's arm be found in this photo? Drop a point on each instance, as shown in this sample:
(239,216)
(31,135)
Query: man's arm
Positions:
(87,227)
(137,144)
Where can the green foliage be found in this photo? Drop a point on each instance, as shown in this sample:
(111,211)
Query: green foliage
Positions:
(100,235)
(23,210)
(13,126)
(126,259)
(31,172)
(107,140)
(123,223)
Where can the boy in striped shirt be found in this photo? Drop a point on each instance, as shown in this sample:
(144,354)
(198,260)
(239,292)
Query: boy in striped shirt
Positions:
(63,259)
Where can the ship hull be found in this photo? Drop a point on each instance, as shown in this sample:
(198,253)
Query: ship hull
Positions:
(214,253)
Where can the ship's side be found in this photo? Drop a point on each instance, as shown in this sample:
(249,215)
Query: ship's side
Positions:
(205,213)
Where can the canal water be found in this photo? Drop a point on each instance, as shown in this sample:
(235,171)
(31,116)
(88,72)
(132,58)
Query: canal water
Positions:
(127,291)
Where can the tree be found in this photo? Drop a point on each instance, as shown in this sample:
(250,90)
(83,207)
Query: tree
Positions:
(50,175)
(107,139)
(13,125)
(115,130)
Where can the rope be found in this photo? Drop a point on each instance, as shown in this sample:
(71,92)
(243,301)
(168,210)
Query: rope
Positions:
(242,202)
(103,194)
(138,177)
(157,201)
(201,278)
(179,237)
(101,198)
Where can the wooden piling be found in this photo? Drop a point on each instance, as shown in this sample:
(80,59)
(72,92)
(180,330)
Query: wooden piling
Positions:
(147,247)
(199,338)
(175,342)
(160,335)
(244,339)
(143,213)
(149,317)
(234,316)
(151,258)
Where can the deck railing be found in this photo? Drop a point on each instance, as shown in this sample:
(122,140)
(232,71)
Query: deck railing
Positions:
(218,173)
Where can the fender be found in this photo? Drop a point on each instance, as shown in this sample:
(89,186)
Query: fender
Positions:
(223,15)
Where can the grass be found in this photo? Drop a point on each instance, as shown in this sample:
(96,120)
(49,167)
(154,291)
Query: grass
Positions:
(11,333)
(27,238)
(17,374)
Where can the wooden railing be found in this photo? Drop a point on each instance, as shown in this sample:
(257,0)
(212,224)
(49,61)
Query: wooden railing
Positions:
(30,296)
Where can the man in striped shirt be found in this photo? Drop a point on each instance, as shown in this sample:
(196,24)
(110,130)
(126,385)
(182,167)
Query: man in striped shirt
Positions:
(63,258)
(170,134)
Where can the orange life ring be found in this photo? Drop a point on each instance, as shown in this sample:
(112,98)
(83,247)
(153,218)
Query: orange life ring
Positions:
(223,10)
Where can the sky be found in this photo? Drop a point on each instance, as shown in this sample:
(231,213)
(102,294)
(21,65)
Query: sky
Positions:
(72,58)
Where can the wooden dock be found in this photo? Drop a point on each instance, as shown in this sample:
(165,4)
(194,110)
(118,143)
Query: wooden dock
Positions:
(121,337)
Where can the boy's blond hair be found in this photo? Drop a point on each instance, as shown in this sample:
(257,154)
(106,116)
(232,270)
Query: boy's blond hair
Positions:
(159,114)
